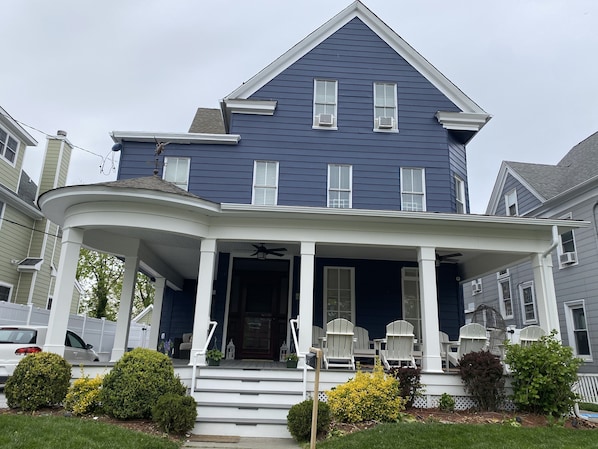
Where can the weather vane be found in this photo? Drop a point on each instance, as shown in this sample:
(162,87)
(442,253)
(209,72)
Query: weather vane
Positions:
(160,148)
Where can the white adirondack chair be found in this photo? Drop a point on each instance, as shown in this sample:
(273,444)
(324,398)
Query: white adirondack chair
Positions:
(363,346)
(530,334)
(397,347)
(472,338)
(338,344)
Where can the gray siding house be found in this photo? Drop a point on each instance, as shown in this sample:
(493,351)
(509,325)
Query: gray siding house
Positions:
(567,190)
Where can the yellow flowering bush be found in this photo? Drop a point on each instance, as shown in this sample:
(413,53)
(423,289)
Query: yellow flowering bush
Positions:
(83,396)
(367,397)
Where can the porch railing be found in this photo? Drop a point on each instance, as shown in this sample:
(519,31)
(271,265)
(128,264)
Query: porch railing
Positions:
(212,327)
(294,327)
(587,387)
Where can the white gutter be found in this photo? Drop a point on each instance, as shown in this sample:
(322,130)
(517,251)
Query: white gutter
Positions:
(554,243)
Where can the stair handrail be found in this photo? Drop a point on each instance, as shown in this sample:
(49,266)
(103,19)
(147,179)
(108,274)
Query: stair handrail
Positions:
(294,326)
(211,328)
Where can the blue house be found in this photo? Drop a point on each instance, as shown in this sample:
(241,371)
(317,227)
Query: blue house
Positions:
(332,184)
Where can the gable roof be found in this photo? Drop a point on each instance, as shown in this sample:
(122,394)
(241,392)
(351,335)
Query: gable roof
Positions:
(360,11)
(546,182)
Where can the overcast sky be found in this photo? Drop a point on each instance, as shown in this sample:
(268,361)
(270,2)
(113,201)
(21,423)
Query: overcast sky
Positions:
(146,65)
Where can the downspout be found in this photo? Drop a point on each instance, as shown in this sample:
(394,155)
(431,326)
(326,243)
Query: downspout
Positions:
(554,243)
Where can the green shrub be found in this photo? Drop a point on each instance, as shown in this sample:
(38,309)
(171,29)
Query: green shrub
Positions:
(83,397)
(136,383)
(39,380)
(409,383)
(543,374)
(366,397)
(446,403)
(174,413)
(482,374)
(299,419)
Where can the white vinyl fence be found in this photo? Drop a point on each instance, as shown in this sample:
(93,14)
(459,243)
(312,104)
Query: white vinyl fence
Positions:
(98,332)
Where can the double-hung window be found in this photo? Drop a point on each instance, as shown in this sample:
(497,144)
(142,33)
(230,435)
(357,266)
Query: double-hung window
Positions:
(265,183)
(567,251)
(325,104)
(339,293)
(528,302)
(385,107)
(577,329)
(339,186)
(8,146)
(511,207)
(5,292)
(412,299)
(176,170)
(413,192)
(459,195)
(504,293)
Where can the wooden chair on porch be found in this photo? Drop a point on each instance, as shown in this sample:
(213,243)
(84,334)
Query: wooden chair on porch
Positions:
(472,338)
(338,344)
(364,347)
(530,334)
(397,347)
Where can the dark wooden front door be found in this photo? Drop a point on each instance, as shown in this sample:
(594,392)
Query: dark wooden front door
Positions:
(258,307)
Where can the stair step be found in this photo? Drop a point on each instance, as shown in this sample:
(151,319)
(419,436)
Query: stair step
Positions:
(243,405)
(242,421)
(253,392)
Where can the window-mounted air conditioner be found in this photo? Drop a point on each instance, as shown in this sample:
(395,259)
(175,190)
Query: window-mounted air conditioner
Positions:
(568,258)
(325,119)
(476,286)
(385,122)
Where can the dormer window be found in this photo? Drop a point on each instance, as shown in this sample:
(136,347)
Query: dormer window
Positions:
(8,146)
(511,203)
(385,107)
(325,102)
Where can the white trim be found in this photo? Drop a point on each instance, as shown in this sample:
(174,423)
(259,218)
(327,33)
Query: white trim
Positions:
(501,300)
(476,287)
(410,192)
(522,286)
(316,117)
(418,326)
(338,189)
(395,122)
(508,196)
(16,129)
(4,147)
(265,186)
(177,160)
(325,292)
(182,138)
(462,121)
(10,289)
(568,308)
(460,199)
(253,107)
(560,251)
(497,190)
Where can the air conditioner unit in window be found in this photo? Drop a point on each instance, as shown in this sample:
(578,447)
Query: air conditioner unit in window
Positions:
(476,286)
(325,119)
(385,122)
(568,258)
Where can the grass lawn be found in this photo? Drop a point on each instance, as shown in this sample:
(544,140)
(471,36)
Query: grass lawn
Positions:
(51,432)
(464,436)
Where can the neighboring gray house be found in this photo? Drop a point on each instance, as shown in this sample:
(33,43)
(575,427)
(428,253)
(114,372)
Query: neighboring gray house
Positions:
(29,243)
(567,190)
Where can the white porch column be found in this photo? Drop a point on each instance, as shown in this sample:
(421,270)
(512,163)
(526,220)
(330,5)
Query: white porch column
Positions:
(159,286)
(203,301)
(431,361)
(63,292)
(123,320)
(548,315)
(306,298)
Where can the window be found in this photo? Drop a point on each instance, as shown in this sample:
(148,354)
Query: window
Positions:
(1,213)
(8,146)
(577,329)
(265,183)
(325,100)
(413,196)
(339,186)
(176,170)
(5,292)
(567,252)
(511,203)
(339,298)
(460,195)
(528,302)
(385,107)
(411,300)
(504,294)
(476,286)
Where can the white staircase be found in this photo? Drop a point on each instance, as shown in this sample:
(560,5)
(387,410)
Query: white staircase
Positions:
(247,402)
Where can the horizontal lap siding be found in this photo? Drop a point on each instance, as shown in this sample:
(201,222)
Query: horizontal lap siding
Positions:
(458,167)
(526,201)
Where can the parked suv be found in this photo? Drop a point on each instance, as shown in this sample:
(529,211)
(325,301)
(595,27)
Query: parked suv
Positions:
(18,341)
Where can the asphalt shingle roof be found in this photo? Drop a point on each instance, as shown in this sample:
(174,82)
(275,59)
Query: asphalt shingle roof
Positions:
(208,121)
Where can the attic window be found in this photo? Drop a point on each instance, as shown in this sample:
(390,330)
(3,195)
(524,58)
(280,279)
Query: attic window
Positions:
(511,203)
(29,265)
(8,146)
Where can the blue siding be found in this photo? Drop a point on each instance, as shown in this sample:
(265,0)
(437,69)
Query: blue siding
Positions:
(526,201)
(458,167)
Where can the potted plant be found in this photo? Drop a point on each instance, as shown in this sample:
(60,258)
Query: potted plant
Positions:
(213,356)
(292,360)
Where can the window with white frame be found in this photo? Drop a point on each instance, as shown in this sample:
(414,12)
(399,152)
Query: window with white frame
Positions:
(5,292)
(385,107)
(1,213)
(511,207)
(459,195)
(504,294)
(476,286)
(528,302)
(579,340)
(8,146)
(265,183)
(176,170)
(413,192)
(412,300)
(339,293)
(325,103)
(567,251)
(339,186)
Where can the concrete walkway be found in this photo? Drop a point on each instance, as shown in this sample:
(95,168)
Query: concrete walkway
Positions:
(245,443)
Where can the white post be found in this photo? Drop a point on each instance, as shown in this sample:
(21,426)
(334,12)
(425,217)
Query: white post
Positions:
(203,301)
(431,361)
(123,320)
(306,298)
(63,293)
(548,316)
(159,286)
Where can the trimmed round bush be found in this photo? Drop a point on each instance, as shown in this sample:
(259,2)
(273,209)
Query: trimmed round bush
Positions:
(136,383)
(174,413)
(40,380)
(299,419)
(83,396)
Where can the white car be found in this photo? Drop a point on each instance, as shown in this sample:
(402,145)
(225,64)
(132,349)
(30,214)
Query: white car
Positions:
(16,341)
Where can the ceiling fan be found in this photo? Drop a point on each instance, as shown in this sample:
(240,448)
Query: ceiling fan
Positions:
(261,252)
(447,258)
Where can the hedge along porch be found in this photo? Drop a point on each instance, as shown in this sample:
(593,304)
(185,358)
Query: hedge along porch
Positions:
(184,241)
